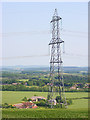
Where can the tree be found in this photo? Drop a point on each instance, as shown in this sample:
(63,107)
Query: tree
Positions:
(58,99)
(69,101)
(6,105)
(41,103)
(48,97)
(29,99)
(24,99)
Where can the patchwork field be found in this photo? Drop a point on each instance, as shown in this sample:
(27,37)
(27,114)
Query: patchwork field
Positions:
(79,108)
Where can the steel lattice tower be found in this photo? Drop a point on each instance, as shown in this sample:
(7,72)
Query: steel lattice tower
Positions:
(56,62)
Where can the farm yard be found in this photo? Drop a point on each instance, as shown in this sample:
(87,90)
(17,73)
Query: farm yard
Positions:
(78,109)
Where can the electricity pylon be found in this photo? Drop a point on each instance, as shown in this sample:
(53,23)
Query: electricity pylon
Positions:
(56,62)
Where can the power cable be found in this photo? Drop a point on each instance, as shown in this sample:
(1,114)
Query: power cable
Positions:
(20,57)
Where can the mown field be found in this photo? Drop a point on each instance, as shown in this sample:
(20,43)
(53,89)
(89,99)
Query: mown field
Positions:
(79,108)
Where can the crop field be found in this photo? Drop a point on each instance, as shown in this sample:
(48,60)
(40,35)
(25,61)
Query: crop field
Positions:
(44,113)
(78,109)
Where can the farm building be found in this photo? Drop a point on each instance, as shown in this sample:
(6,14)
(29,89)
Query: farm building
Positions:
(37,98)
(53,101)
(19,105)
(73,88)
(25,105)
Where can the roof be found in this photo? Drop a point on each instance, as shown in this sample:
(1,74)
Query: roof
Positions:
(25,105)
(18,105)
(34,107)
(37,97)
(53,100)
(28,103)
(72,87)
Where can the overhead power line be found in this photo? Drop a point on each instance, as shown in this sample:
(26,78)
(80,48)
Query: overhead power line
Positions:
(71,31)
(20,57)
(65,31)
(43,55)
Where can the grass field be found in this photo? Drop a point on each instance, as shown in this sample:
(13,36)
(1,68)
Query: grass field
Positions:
(44,113)
(24,80)
(79,108)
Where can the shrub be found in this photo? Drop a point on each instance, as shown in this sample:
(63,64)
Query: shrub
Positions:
(57,106)
(29,99)
(41,103)
(58,99)
(24,99)
(35,95)
(69,101)
(48,97)
(6,105)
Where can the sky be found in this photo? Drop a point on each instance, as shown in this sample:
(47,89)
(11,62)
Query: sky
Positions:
(26,32)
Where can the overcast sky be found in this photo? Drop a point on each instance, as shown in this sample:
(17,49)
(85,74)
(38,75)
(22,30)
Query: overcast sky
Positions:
(26,32)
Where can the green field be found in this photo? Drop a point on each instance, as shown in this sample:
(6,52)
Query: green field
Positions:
(23,80)
(44,113)
(79,108)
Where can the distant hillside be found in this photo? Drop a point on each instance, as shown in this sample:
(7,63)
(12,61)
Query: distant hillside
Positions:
(44,68)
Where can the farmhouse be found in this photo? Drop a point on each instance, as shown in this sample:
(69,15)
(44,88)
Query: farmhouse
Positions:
(14,83)
(25,105)
(73,88)
(37,98)
(19,105)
